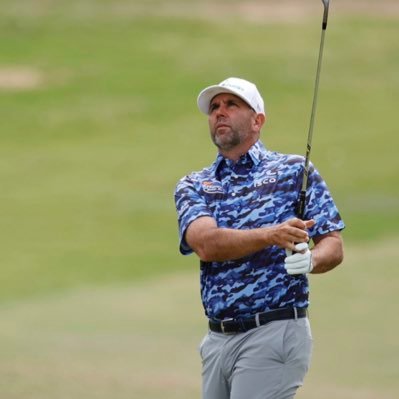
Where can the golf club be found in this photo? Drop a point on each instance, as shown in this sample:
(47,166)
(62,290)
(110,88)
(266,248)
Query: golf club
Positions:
(302,195)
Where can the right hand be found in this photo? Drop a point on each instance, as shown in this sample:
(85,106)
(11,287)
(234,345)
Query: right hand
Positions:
(291,232)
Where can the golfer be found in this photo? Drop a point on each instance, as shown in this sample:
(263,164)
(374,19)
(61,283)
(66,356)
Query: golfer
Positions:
(239,216)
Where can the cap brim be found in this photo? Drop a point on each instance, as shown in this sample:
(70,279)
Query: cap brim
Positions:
(205,97)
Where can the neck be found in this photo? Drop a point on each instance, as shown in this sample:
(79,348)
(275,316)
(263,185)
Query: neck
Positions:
(235,153)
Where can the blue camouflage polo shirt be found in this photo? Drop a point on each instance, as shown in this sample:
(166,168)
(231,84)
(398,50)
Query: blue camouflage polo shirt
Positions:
(259,190)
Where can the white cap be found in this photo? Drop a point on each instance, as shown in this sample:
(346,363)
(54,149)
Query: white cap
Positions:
(247,91)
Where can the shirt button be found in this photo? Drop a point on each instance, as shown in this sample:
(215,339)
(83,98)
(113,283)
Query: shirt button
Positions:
(233,194)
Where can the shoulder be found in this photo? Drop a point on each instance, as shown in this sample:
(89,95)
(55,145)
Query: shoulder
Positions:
(194,178)
(284,159)
(283,163)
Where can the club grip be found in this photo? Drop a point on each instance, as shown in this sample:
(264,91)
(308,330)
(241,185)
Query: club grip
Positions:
(300,210)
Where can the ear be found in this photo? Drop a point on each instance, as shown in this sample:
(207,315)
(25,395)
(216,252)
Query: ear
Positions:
(260,120)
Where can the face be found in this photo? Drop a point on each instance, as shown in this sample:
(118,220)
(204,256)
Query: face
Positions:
(232,122)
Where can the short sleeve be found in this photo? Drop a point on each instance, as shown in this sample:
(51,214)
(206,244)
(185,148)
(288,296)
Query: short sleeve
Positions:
(190,205)
(320,206)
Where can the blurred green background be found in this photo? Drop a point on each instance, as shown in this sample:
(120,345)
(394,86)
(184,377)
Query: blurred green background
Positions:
(99,121)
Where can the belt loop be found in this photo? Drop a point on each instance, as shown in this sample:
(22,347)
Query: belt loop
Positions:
(295,313)
(222,327)
(257,322)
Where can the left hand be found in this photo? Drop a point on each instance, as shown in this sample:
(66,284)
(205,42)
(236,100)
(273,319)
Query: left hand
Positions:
(301,261)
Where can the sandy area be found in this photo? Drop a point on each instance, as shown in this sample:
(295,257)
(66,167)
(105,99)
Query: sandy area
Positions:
(20,78)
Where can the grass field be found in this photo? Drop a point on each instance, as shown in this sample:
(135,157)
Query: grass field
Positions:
(139,340)
(97,103)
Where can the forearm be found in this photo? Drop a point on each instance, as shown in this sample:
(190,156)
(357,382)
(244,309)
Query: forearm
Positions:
(327,253)
(212,243)
(220,244)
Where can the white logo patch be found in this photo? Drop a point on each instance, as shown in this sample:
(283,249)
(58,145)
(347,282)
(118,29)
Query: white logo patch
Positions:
(270,178)
(212,187)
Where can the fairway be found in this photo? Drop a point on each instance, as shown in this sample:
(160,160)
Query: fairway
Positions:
(99,121)
(139,340)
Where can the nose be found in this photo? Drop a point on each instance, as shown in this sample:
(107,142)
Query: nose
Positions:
(221,111)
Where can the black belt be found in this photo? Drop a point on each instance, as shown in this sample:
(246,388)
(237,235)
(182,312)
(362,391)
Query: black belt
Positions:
(234,326)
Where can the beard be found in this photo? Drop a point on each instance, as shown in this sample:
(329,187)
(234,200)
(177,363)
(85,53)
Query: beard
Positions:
(227,140)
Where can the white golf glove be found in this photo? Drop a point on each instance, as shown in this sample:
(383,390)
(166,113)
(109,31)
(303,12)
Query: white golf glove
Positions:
(301,261)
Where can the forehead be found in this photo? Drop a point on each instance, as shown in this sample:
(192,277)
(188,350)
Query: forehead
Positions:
(226,97)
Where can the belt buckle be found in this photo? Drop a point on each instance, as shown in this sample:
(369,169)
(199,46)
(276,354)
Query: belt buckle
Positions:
(222,327)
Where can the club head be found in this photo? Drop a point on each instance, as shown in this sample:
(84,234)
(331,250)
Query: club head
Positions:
(326,4)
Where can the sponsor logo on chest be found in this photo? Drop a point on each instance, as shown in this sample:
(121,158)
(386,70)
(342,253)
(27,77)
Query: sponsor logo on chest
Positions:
(212,187)
(269,178)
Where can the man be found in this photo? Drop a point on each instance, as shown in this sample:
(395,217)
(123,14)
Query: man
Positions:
(238,216)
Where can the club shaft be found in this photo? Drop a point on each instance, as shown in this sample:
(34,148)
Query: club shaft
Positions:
(302,195)
(313,114)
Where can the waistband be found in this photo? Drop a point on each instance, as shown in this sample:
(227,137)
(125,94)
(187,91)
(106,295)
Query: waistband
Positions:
(234,326)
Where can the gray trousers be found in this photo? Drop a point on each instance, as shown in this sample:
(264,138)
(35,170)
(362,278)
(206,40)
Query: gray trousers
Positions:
(268,362)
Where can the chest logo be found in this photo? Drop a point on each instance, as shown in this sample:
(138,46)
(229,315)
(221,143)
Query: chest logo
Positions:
(270,178)
(212,187)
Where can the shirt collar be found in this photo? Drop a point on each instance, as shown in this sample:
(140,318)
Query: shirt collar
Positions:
(256,153)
